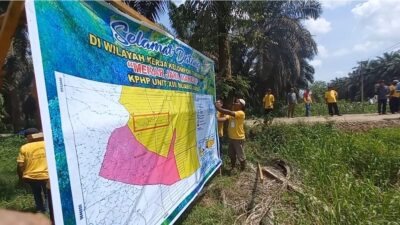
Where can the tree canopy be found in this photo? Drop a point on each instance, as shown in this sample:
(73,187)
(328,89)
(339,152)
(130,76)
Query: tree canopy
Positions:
(256,44)
(385,67)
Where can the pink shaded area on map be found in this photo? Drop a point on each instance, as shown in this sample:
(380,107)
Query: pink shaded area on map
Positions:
(128,161)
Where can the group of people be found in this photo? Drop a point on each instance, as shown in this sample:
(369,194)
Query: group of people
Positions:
(331,97)
(235,119)
(383,92)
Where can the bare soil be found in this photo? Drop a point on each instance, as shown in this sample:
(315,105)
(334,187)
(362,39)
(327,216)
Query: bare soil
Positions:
(350,122)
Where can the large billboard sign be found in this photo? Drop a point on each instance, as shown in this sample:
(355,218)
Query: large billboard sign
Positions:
(127,114)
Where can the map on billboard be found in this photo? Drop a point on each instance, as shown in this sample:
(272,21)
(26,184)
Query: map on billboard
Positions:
(127,113)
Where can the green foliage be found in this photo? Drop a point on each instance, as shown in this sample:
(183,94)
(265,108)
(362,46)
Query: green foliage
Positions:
(385,67)
(150,9)
(18,77)
(317,109)
(204,214)
(12,195)
(345,107)
(318,90)
(276,47)
(264,40)
(353,174)
(228,87)
(208,209)
(3,114)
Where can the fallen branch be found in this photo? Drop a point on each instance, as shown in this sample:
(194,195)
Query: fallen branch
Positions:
(260,172)
(298,189)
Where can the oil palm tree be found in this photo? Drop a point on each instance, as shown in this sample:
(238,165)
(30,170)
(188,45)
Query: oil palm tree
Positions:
(18,79)
(281,43)
(150,9)
(205,23)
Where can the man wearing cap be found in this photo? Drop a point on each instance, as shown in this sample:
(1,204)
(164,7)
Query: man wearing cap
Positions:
(235,131)
(32,168)
(394,97)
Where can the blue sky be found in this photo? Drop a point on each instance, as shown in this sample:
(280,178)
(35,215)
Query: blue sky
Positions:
(351,31)
(348,32)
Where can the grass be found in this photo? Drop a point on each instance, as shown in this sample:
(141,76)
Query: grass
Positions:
(208,208)
(355,175)
(317,109)
(345,107)
(13,195)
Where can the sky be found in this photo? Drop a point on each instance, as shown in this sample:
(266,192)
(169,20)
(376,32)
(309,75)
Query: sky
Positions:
(352,31)
(348,32)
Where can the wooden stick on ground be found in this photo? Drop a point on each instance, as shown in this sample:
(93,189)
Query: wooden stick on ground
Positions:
(260,171)
(283,180)
(298,189)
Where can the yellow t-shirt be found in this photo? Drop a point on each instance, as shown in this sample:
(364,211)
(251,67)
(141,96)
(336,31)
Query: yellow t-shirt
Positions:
(33,155)
(331,96)
(236,126)
(268,101)
(307,98)
(393,92)
(220,124)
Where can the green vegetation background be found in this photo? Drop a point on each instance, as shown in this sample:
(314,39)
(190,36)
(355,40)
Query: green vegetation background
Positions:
(13,195)
(317,109)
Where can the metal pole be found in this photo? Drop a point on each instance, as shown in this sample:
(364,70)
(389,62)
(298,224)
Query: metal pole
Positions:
(362,87)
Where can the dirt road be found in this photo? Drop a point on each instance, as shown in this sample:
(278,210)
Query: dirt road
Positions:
(373,118)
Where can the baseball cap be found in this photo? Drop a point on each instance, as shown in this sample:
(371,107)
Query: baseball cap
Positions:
(242,101)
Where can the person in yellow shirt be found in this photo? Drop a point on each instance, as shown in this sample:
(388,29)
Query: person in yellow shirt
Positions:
(307,101)
(331,99)
(268,102)
(220,116)
(394,97)
(32,168)
(236,133)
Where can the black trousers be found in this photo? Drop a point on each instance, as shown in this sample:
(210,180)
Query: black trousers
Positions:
(394,104)
(333,109)
(268,111)
(38,188)
(50,201)
(382,106)
(220,146)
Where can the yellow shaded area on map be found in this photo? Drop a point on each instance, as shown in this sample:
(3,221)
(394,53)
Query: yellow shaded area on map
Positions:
(155,114)
(150,121)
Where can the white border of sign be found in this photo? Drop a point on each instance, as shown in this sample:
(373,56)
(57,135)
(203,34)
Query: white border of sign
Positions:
(44,109)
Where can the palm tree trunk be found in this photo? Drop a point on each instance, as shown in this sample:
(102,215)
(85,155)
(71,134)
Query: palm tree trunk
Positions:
(16,110)
(224,58)
(38,121)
